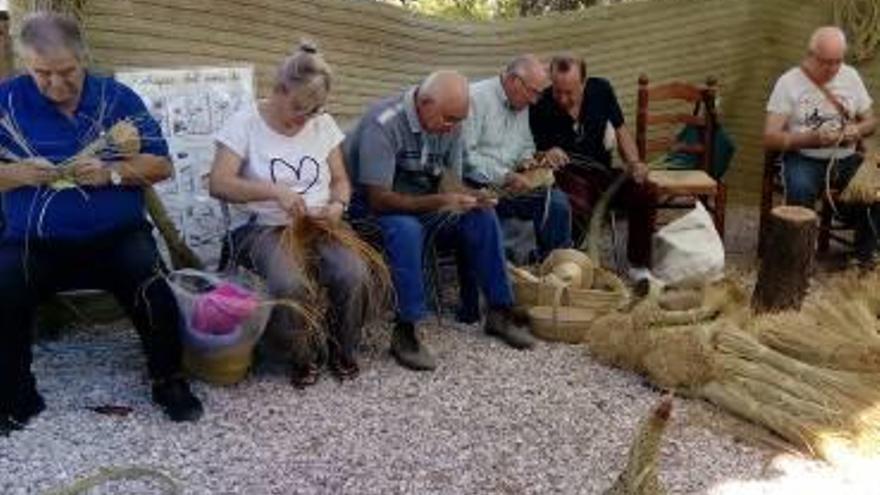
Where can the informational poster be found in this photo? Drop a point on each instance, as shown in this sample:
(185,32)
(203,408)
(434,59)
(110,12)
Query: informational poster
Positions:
(191,104)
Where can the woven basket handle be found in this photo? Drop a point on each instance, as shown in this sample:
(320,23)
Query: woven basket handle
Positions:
(557,302)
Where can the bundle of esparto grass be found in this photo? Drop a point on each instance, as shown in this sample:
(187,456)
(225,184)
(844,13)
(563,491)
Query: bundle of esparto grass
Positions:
(301,239)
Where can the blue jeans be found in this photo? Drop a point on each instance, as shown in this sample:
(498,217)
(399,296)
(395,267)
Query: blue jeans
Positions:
(805,178)
(124,263)
(475,234)
(554,232)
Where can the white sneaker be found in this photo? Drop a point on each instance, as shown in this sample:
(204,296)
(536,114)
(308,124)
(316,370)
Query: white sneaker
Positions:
(639,273)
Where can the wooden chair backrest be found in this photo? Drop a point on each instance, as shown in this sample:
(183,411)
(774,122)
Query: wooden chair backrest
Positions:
(700,100)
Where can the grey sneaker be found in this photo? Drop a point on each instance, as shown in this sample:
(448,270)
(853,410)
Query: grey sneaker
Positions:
(499,323)
(408,351)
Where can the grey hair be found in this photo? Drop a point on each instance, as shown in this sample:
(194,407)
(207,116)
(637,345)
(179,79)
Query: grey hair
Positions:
(306,73)
(45,31)
(823,32)
(521,64)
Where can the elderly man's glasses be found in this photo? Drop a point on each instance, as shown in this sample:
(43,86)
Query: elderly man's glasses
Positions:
(530,90)
(827,62)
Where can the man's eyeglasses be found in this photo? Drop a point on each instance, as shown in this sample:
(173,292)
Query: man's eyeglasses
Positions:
(532,91)
(827,62)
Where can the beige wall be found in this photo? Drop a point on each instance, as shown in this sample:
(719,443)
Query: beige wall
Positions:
(377,49)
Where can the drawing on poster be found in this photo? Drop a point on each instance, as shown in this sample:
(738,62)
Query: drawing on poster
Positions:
(191,104)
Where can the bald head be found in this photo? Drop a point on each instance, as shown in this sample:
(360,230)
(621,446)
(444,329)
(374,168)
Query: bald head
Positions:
(442,101)
(826,51)
(828,38)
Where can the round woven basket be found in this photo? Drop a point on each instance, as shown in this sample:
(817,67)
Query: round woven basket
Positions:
(607,294)
(219,367)
(526,285)
(561,324)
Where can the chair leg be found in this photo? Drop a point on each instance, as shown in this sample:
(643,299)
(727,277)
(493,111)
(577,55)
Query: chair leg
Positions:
(824,243)
(720,207)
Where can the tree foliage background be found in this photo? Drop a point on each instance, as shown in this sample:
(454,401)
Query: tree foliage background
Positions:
(495,9)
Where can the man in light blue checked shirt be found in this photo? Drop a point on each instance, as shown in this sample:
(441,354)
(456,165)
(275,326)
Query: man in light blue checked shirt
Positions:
(498,143)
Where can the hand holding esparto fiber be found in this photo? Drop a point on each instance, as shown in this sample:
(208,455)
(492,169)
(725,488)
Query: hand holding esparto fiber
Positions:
(535,173)
(640,475)
(34,172)
(451,183)
(864,186)
(121,141)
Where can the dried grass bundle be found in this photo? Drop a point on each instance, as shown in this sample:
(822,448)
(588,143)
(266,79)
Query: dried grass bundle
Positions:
(670,347)
(823,411)
(837,327)
(864,186)
(640,475)
(301,239)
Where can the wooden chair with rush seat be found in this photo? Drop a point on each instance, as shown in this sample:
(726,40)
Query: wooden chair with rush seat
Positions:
(659,118)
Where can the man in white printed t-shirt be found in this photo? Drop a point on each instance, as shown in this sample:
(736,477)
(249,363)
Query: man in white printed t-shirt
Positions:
(278,160)
(817,114)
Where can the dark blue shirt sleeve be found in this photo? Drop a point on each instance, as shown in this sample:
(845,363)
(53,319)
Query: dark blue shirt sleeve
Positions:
(131,106)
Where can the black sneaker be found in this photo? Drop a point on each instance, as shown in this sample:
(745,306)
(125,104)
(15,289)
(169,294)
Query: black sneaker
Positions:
(7,426)
(176,400)
(500,323)
(408,351)
(24,405)
(27,406)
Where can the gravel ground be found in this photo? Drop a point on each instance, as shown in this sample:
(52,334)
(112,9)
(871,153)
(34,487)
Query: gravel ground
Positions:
(489,420)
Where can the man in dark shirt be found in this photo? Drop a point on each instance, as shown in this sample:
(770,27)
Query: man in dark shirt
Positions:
(578,120)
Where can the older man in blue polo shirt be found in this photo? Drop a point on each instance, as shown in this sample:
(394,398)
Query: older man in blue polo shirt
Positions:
(91,235)
(397,156)
(499,146)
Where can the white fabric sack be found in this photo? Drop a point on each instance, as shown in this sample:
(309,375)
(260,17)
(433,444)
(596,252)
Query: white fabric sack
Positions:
(689,251)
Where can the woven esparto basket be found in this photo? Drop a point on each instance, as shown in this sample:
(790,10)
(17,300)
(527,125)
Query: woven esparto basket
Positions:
(560,323)
(607,294)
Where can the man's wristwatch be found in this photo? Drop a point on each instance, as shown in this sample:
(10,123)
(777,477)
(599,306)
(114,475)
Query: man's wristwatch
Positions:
(115,177)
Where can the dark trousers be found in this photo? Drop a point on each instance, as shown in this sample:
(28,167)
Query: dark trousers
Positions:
(339,270)
(584,187)
(124,263)
(805,178)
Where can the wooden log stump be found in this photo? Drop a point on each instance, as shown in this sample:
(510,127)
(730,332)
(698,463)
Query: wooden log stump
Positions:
(787,261)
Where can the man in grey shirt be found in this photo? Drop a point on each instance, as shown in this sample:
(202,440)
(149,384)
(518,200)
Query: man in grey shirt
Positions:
(499,145)
(396,156)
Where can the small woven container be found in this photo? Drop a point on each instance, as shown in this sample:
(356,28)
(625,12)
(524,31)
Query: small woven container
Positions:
(607,293)
(226,366)
(559,322)
(221,359)
(526,286)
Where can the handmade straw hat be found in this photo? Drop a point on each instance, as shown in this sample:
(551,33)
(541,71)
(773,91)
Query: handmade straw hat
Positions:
(570,265)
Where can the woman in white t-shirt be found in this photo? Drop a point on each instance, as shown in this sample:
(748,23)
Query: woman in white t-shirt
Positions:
(276,160)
